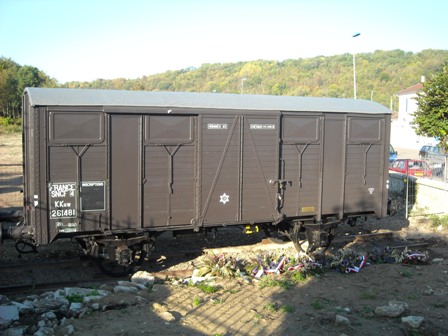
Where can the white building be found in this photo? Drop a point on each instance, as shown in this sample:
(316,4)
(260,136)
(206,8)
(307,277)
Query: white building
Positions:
(402,132)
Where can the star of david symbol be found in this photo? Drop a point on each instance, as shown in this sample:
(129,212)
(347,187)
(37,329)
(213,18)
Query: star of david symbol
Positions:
(224,198)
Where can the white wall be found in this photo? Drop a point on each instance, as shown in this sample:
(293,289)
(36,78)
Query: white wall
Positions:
(407,105)
(402,133)
(403,136)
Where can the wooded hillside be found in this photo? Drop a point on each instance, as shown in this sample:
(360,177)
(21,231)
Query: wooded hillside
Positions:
(380,76)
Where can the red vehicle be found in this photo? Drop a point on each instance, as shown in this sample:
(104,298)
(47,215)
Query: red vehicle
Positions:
(417,168)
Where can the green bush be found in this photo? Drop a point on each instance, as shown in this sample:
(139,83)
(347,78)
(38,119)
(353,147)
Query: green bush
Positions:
(5,121)
(10,125)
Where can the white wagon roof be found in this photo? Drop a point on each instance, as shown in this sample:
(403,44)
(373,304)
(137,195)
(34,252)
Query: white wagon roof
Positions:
(90,97)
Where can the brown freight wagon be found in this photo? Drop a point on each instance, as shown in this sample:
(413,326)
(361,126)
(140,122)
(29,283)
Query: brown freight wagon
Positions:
(114,169)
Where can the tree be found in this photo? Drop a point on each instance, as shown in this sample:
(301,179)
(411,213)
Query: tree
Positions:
(14,78)
(8,85)
(431,117)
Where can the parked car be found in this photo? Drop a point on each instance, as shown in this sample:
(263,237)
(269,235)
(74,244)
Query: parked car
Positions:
(435,151)
(392,154)
(423,152)
(418,168)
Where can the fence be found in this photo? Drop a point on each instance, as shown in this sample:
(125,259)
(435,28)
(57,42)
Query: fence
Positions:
(419,196)
(439,167)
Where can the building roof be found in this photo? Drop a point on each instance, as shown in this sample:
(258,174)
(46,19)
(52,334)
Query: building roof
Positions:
(412,89)
(119,98)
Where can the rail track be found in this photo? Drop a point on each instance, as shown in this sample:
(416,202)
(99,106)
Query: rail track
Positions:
(31,276)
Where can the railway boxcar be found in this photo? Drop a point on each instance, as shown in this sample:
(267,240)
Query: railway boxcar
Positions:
(113,169)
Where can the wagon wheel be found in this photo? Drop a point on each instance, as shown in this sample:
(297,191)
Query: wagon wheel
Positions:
(311,240)
(114,269)
(139,253)
(299,238)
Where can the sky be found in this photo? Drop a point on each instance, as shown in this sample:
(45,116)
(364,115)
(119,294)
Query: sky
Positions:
(84,40)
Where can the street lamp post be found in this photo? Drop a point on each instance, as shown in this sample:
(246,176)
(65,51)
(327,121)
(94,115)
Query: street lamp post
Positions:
(242,85)
(354,68)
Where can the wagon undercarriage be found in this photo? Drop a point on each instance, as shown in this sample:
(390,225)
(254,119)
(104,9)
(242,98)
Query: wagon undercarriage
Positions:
(122,253)
(118,254)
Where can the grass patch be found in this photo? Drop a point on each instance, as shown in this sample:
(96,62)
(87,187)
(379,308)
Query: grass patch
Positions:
(287,309)
(367,294)
(406,274)
(218,301)
(207,288)
(439,221)
(317,305)
(272,307)
(196,301)
(268,281)
(94,292)
(320,304)
(413,296)
(298,277)
(75,298)
(440,305)
(78,298)
(368,310)
(258,316)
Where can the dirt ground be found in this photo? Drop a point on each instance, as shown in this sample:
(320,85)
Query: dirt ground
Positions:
(332,304)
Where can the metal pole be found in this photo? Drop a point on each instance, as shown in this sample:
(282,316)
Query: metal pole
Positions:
(407,195)
(354,68)
(445,170)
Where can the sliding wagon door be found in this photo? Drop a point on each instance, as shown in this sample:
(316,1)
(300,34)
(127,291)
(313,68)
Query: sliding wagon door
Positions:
(169,170)
(239,169)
